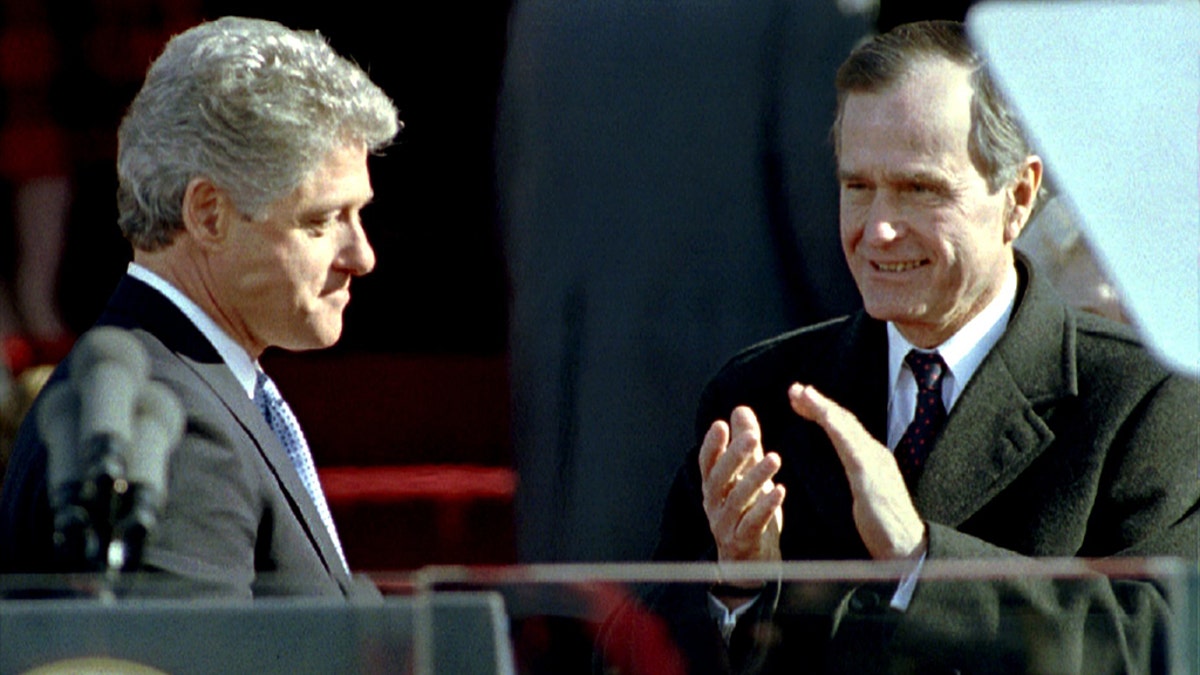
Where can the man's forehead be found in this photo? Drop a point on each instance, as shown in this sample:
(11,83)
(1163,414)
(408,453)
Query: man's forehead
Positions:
(927,112)
(930,86)
(924,82)
(343,170)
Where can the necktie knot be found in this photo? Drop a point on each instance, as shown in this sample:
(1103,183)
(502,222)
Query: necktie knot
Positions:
(927,369)
(266,394)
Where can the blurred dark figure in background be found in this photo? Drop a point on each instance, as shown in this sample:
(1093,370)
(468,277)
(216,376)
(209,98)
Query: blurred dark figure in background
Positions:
(35,167)
(66,75)
(50,62)
(667,196)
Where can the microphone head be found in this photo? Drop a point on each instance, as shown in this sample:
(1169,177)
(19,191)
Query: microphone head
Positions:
(158,426)
(58,423)
(108,368)
(110,344)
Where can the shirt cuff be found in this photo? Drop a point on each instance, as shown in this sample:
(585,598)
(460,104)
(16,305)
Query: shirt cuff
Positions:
(726,618)
(908,584)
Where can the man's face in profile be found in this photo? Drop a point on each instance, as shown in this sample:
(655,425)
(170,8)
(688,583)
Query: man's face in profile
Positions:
(924,237)
(288,276)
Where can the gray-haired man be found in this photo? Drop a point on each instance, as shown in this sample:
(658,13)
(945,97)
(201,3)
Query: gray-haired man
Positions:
(965,413)
(243,171)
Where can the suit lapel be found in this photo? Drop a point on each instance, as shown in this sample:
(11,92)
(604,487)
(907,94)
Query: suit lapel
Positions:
(230,391)
(996,428)
(135,305)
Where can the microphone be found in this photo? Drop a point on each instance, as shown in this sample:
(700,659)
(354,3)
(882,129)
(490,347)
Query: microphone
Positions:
(58,422)
(157,427)
(109,432)
(89,424)
(108,368)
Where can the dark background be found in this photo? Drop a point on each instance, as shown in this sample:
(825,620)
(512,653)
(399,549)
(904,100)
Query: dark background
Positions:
(439,284)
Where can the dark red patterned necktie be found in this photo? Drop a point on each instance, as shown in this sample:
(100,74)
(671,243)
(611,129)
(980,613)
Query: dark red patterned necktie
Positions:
(929,417)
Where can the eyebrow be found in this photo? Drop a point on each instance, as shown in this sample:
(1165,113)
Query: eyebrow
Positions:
(842,174)
(335,205)
(918,176)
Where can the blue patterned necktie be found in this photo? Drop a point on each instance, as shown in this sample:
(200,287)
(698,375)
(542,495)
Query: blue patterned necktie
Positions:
(281,420)
(930,415)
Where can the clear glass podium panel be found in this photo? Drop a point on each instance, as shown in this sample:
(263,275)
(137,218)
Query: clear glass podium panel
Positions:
(999,616)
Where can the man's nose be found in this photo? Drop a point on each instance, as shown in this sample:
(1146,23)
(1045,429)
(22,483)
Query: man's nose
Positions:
(357,256)
(883,220)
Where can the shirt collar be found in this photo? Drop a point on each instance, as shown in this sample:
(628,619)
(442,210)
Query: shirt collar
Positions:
(244,368)
(964,351)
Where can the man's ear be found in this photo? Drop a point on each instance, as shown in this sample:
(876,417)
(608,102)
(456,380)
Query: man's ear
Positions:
(206,210)
(1023,193)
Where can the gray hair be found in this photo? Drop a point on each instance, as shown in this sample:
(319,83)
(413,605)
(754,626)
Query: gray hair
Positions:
(997,145)
(251,105)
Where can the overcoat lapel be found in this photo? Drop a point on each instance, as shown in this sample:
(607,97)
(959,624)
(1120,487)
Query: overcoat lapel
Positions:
(859,383)
(854,374)
(996,430)
(135,305)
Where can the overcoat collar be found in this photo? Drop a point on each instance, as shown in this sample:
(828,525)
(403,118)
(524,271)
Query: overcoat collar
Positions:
(996,428)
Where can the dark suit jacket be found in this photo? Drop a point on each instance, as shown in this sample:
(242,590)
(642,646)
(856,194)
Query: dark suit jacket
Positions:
(1070,440)
(237,519)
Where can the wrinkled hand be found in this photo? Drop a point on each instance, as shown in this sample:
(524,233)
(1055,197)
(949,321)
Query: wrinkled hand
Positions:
(742,502)
(884,513)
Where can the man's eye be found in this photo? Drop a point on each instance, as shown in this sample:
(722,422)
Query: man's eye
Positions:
(925,189)
(320,225)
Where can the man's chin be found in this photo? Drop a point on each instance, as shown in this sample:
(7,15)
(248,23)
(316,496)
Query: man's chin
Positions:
(321,338)
(892,311)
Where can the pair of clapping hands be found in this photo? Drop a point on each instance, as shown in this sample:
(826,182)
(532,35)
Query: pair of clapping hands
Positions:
(744,505)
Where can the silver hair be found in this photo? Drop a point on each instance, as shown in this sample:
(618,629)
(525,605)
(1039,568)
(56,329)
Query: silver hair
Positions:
(249,104)
(997,143)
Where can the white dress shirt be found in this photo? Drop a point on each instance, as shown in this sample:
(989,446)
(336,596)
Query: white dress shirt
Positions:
(244,368)
(963,353)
